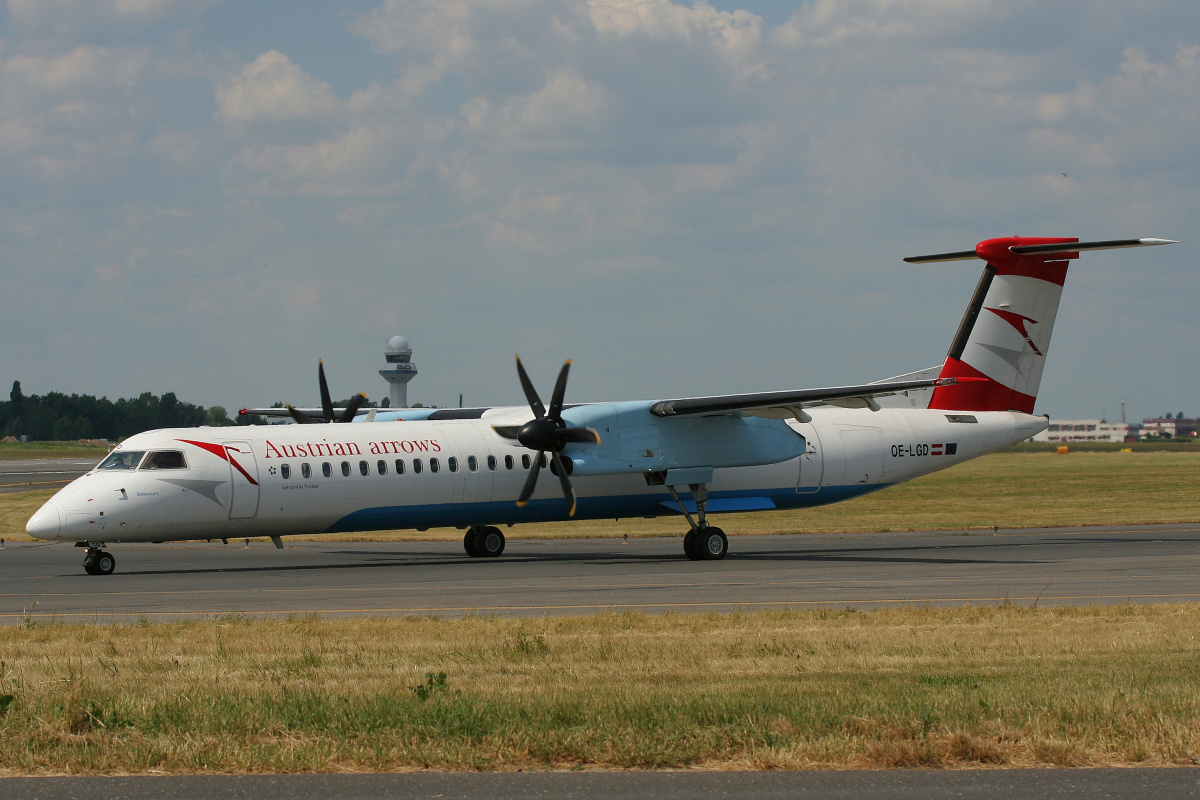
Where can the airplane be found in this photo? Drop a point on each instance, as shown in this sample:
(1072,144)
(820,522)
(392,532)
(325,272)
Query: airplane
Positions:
(478,468)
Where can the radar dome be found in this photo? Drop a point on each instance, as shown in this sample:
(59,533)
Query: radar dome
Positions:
(398,344)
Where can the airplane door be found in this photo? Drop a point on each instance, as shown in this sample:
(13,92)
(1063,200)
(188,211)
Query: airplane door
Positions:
(243,474)
(864,455)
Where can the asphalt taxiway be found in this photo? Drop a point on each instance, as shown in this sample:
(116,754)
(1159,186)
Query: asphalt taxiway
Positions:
(1049,566)
(1033,784)
(25,475)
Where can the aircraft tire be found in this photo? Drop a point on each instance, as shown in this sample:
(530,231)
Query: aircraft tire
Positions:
(470,543)
(490,542)
(712,544)
(689,546)
(103,564)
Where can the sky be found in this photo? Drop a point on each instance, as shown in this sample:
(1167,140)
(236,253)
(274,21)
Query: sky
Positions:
(206,197)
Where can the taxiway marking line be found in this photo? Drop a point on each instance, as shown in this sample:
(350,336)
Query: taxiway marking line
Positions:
(501,586)
(35,483)
(799,583)
(606,607)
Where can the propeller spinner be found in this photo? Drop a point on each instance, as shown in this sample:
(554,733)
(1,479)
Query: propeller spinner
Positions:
(547,432)
(327,412)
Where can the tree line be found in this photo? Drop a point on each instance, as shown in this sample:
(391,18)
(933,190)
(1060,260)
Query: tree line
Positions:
(58,417)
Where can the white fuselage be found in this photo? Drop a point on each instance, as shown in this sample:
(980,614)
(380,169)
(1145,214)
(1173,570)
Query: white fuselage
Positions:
(292,479)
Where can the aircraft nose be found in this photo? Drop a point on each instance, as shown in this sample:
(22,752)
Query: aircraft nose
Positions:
(46,523)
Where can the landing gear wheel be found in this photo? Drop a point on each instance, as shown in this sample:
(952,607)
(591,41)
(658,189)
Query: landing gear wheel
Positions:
(712,544)
(470,543)
(99,562)
(689,546)
(490,542)
(105,563)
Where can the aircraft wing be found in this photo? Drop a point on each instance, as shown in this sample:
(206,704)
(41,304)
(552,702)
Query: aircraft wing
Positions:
(791,403)
(316,414)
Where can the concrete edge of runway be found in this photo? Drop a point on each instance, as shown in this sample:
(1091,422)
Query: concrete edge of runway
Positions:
(1170,783)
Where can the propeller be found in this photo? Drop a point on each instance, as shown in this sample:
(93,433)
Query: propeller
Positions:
(327,413)
(547,432)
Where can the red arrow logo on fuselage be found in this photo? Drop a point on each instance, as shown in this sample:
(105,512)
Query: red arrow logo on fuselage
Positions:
(1017,321)
(221,452)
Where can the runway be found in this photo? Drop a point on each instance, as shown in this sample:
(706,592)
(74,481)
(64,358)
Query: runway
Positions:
(26,475)
(1073,566)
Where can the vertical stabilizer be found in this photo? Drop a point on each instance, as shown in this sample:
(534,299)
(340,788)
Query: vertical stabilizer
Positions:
(1004,336)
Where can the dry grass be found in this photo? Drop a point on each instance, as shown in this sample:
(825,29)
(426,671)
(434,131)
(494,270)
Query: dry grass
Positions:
(1010,489)
(772,690)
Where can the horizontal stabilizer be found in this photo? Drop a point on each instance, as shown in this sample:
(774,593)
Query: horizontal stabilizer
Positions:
(1044,249)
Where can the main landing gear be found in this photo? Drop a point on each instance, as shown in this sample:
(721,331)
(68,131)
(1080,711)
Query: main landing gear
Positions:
(703,542)
(97,561)
(483,541)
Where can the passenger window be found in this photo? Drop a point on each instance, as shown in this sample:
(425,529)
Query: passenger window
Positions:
(508,462)
(492,463)
(327,469)
(364,468)
(434,465)
(525,461)
(452,463)
(382,467)
(473,463)
(399,466)
(306,470)
(285,470)
(346,469)
(165,459)
(416,466)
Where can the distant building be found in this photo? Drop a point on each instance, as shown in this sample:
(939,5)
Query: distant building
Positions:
(1162,428)
(1088,430)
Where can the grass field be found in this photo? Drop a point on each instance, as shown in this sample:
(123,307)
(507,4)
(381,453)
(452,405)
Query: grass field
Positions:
(1001,686)
(1012,489)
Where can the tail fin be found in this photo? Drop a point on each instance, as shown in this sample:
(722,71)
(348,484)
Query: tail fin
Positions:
(1004,336)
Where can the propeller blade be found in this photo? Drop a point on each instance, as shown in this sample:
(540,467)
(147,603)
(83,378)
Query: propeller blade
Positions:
(507,431)
(531,394)
(301,419)
(560,389)
(352,409)
(568,490)
(531,481)
(588,435)
(326,403)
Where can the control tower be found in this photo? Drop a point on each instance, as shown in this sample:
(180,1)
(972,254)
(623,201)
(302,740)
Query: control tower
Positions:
(400,370)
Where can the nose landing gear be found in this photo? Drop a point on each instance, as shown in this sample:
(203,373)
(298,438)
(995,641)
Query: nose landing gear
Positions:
(98,561)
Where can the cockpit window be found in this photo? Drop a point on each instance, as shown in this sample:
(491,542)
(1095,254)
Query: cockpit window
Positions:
(165,459)
(122,459)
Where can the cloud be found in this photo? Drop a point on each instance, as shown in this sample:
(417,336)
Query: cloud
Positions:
(273,88)
(89,17)
(735,36)
(81,68)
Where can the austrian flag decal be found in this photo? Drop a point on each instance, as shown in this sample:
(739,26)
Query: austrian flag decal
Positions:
(949,449)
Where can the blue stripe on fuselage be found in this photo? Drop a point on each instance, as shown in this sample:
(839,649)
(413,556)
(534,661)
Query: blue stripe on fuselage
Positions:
(554,509)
